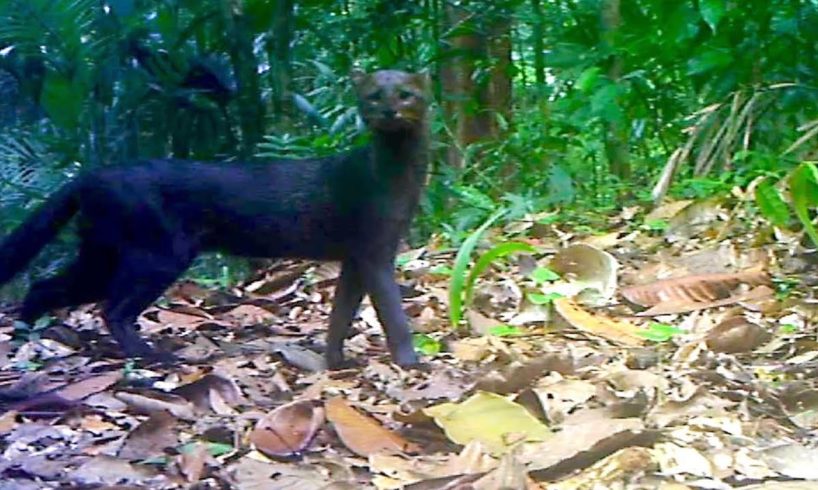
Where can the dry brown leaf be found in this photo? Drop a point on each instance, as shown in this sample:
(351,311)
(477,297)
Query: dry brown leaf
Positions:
(758,293)
(199,392)
(700,288)
(89,386)
(150,402)
(610,472)
(150,438)
(736,335)
(288,430)
(192,462)
(579,446)
(362,434)
(107,470)
(619,331)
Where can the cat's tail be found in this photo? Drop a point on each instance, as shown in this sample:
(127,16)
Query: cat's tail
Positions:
(24,243)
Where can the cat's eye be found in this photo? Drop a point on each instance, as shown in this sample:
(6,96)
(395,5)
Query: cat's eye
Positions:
(405,95)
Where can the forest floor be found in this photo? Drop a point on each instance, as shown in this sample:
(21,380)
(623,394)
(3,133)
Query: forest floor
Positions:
(671,351)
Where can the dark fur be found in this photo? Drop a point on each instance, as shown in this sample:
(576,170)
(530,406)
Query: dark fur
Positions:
(141,226)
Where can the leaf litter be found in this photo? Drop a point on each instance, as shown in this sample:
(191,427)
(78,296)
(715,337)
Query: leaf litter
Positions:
(627,358)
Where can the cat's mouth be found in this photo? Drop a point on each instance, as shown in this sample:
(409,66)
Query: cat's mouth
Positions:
(395,123)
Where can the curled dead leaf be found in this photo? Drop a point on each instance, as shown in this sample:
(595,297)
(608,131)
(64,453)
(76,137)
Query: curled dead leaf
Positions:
(736,335)
(288,430)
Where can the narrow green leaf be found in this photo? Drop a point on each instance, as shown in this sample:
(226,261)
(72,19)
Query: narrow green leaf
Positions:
(771,204)
(803,189)
(505,331)
(461,263)
(485,260)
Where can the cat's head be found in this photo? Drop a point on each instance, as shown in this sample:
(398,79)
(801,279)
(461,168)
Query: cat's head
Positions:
(392,100)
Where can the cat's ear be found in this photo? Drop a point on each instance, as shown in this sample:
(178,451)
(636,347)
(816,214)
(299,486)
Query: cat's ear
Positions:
(358,76)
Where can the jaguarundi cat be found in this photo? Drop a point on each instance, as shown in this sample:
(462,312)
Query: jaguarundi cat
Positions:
(141,226)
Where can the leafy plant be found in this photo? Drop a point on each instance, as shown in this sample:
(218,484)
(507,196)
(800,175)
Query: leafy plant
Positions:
(457,284)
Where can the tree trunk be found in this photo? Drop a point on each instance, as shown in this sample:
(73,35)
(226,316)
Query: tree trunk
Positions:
(499,54)
(280,61)
(240,48)
(537,32)
(464,100)
(616,131)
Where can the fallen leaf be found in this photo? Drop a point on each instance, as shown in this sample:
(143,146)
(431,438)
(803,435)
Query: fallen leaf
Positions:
(701,288)
(192,462)
(107,470)
(149,402)
(150,438)
(578,446)
(793,460)
(362,434)
(736,335)
(288,430)
(492,419)
(618,331)
(589,268)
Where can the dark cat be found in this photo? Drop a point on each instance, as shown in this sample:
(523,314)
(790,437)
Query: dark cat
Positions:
(141,226)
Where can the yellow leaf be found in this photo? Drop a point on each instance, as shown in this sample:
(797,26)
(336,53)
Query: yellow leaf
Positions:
(492,419)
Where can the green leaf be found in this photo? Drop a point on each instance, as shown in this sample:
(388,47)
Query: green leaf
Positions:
(441,269)
(804,190)
(605,103)
(485,260)
(771,204)
(587,79)
(709,60)
(657,225)
(215,449)
(660,332)
(712,11)
(426,344)
(505,331)
(544,274)
(62,100)
(542,299)
(461,263)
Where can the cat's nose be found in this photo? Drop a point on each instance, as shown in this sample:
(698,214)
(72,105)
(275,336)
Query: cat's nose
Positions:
(389,113)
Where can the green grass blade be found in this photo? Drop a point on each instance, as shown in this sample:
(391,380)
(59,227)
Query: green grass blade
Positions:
(487,259)
(461,263)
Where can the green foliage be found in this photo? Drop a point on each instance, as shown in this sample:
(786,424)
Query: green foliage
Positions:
(544,274)
(771,204)
(457,284)
(426,345)
(488,258)
(660,332)
(506,331)
(804,191)
(543,299)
